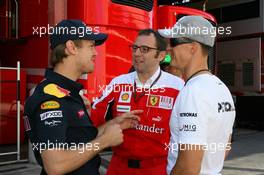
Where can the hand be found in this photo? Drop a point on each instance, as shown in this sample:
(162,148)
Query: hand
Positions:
(128,120)
(87,104)
(113,134)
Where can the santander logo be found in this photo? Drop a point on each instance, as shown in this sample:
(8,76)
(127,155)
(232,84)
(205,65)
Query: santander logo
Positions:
(151,129)
(81,113)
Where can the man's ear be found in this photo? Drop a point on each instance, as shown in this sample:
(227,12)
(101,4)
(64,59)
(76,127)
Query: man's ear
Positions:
(70,48)
(162,55)
(194,47)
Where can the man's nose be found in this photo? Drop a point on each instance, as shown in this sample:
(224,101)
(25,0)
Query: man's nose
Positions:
(95,52)
(137,52)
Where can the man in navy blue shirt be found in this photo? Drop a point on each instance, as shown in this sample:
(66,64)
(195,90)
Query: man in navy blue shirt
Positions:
(59,127)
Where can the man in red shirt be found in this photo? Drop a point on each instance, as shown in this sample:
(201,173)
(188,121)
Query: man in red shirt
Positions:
(151,90)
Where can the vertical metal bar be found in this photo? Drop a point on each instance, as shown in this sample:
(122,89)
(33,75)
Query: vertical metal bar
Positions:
(204,5)
(16,19)
(8,19)
(18,110)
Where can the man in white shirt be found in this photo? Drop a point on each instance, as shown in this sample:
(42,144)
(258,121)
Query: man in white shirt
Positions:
(203,115)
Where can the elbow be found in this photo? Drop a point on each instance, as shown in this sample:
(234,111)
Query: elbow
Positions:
(192,171)
(53,162)
(186,170)
(53,169)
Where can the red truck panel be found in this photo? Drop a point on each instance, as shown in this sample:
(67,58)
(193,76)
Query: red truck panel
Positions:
(8,111)
(121,23)
(166,15)
(3,20)
(32,14)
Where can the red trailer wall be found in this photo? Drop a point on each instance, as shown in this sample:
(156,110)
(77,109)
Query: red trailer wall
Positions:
(8,110)
(121,23)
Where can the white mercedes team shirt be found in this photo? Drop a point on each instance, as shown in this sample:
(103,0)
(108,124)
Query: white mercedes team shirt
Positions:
(204,115)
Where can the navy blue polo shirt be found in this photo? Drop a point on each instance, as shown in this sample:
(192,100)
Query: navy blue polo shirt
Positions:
(56,117)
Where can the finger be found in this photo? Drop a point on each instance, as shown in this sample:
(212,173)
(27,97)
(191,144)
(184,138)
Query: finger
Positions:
(130,116)
(138,111)
(127,123)
(134,123)
(135,117)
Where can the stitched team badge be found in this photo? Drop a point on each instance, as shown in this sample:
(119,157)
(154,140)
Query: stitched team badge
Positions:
(50,105)
(123,108)
(26,123)
(125,97)
(81,113)
(159,101)
(51,114)
(166,102)
(153,101)
(55,90)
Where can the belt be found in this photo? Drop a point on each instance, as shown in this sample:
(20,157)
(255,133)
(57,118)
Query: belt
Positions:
(143,163)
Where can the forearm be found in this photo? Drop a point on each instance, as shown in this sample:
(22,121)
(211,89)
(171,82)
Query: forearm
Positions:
(189,160)
(182,169)
(177,170)
(65,161)
(228,146)
(125,120)
(102,127)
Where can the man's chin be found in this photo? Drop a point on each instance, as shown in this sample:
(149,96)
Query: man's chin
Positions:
(139,69)
(87,72)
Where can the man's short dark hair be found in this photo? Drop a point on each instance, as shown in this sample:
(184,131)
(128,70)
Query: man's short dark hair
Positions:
(58,53)
(161,43)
